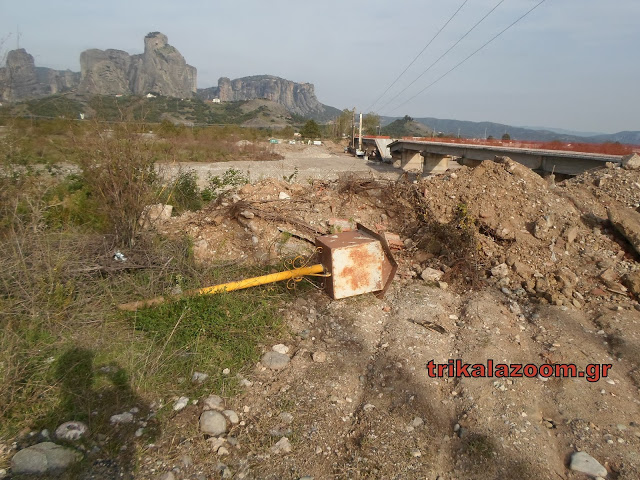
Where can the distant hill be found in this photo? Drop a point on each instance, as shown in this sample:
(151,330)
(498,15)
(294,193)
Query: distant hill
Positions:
(406,127)
(298,98)
(481,130)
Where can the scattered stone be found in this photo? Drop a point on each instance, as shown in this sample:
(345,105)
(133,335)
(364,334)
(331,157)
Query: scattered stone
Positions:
(632,282)
(247,214)
(121,418)
(181,403)
(341,225)
(71,431)
(585,463)
(226,371)
(231,416)
(284,196)
(167,476)
(319,357)
(154,214)
(571,234)
(417,422)
(213,423)
(286,418)
(44,458)
(199,377)
(416,453)
(431,275)
(213,402)
(282,446)
(500,271)
(223,451)
(280,348)
(443,285)
(275,360)
(216,442)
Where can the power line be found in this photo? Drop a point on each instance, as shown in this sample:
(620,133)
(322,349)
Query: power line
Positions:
(471,55)
(418,56)
(445,53)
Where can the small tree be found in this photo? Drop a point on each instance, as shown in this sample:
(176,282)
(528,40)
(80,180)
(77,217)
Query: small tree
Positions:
(370,123)
(310,130)
(506,137)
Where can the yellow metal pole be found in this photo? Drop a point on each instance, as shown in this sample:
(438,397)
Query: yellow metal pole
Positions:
(228,287)
(264,279)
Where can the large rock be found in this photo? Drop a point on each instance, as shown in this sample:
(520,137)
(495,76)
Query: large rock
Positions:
(160,69)
(275,360)
(627,223)
(105,72)
(44,458)
(298,98)
(631,162)
(20,79)
(585,463)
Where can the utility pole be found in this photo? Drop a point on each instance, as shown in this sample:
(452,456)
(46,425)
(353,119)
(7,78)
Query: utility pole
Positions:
(353,128)
(360,135)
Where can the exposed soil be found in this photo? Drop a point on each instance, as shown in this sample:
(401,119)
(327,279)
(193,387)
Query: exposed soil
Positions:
(532,272)
(541,285)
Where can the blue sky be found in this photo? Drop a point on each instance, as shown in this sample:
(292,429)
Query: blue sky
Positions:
(570,64)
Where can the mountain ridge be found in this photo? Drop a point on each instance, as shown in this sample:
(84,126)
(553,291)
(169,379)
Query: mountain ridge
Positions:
(481,130)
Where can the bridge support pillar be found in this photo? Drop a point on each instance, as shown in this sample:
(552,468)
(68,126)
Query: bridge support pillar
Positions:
(469,162)
(435,163)
(411,160)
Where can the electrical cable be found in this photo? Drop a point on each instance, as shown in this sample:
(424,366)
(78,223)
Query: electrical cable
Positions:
(445,53)
(417,56)
(468,57)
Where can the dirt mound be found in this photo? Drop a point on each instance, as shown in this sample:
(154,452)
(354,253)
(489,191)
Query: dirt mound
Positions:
(541,285)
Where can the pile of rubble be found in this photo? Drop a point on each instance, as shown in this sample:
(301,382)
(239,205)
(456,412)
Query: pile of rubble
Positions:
(554,243)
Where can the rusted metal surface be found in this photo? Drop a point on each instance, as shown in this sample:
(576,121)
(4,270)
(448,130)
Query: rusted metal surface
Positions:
(389,265)
(359,262)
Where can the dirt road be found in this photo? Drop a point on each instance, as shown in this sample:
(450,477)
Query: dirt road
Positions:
(304,162)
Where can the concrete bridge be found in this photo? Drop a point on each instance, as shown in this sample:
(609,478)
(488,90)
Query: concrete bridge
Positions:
(433,157)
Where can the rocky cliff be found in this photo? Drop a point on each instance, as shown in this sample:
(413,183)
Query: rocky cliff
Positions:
(160,69)
(298,98)
(21,79)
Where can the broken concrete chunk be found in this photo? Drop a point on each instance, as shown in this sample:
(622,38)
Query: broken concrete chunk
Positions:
(500,271)
(431,275)
(627,223)
(631,162)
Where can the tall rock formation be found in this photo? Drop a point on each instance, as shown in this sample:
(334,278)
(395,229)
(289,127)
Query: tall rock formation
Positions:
(160,69)
(105,72)
(21,79)
(298,98)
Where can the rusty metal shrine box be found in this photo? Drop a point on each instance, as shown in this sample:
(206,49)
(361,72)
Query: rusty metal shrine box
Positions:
(359,262)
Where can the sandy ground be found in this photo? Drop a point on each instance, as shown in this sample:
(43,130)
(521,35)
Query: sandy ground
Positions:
(312,162)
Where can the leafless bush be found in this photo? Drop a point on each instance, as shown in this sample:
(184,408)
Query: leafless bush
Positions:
(119,170)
